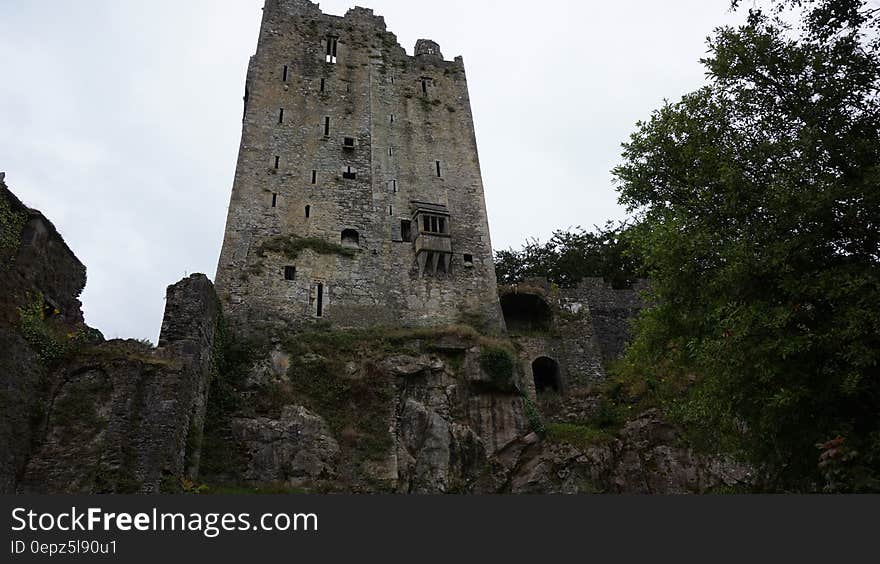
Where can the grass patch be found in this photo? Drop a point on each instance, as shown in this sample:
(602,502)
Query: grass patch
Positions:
(580,436)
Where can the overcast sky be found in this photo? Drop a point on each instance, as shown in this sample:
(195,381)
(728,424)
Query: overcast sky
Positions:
(121,120)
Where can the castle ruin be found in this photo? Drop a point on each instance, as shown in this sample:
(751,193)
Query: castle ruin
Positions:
(357,197)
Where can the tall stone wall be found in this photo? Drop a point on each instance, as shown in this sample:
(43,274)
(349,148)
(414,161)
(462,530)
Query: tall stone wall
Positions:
(392,119)
(40,273)
(612,311)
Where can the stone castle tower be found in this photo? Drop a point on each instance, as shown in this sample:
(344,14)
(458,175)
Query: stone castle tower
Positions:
(357,196)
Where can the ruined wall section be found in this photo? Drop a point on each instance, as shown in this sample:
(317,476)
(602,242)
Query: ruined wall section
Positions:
(612,311)
(38,272)
(124,417)
(298,176)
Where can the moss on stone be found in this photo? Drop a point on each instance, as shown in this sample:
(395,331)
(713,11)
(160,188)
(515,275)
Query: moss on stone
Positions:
(499,363)
(579,436)
(290,247)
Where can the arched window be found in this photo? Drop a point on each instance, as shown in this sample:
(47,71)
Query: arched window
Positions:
(350,238)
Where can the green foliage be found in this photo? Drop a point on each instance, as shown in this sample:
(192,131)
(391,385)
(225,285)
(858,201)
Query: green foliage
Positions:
(570,256)
(221,454)
(498,362)
(51,341)
(580,436)
(534,416)
(11,225)
(759,226)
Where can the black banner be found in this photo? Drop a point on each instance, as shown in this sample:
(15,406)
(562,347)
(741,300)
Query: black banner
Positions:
(416,528)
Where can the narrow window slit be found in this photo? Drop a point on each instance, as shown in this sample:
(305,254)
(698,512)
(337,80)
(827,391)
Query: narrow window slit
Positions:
(308,211)
(314,177)
(319,310)
(284,74)
(274,200)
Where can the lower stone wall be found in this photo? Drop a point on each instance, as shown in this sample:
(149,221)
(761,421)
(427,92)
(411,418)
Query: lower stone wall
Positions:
(124,417)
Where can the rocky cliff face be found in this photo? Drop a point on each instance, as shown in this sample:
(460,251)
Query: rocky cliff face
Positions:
(396,411)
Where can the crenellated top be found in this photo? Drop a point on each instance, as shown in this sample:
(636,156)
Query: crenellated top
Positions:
(428,49)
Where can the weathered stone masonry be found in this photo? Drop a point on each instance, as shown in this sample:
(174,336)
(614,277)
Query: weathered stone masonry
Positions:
(350,142)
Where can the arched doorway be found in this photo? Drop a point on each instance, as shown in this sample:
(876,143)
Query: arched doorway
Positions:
(545,371)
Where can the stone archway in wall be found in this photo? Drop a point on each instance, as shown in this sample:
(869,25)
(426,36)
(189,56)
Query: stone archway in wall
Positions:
(526,313)
(546,375)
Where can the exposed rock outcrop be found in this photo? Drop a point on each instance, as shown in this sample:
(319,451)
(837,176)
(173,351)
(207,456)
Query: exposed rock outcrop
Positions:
(646,456)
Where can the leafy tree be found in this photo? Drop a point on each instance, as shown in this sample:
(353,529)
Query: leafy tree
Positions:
(572,255)
(760,226)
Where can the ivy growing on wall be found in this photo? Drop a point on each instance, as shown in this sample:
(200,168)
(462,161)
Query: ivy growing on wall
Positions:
(11,225)
(51,342)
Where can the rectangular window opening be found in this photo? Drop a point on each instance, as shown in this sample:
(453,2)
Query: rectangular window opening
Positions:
(425,86)
(289,272)
(274,200)
(390,210)
(394,186)
(277,161)
(284,74)
(391,117)
(322,85)
(326,126)
(348,142)
(390,152)
(314,177)
(319,310)
(406,230)
(437,164)
(469,259)
(349,174)
(330,57)
(308,211)
(441,225)
(281,115)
